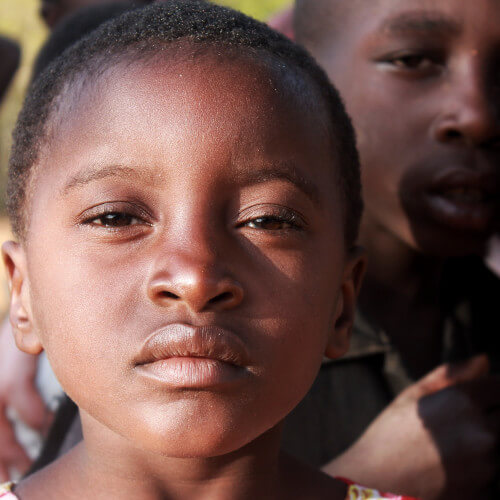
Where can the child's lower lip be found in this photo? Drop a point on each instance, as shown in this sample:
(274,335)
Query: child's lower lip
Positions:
(192,372)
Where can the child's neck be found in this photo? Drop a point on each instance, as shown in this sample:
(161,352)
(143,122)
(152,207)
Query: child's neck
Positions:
(153,476)
(107,466)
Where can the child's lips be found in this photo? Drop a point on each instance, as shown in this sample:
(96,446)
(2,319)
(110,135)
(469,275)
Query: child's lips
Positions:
(185,356)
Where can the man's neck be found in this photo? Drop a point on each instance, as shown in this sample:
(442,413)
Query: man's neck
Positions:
(395,266)
(400,294)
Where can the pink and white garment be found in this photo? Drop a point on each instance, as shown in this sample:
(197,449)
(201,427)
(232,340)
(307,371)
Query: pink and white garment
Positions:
(6,493)
(356,492)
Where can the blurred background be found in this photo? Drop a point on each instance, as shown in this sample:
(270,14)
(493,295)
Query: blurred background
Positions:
(20,21)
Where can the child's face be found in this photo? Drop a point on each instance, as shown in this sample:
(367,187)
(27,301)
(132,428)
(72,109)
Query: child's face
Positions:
(185,213)
(421,80)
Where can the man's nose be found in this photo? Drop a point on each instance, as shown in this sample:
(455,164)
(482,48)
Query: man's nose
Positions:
(194,275)
(469,115)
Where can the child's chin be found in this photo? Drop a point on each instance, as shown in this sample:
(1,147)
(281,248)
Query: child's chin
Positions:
(202,436)
(198,444)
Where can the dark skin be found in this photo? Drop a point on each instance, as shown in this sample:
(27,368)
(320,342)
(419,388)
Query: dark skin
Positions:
(218,215)
(420,81)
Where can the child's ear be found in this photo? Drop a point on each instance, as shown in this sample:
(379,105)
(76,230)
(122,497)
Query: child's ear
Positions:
(20,315)
(354,271)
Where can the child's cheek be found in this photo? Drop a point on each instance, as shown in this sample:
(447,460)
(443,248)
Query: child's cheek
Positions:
(83,302)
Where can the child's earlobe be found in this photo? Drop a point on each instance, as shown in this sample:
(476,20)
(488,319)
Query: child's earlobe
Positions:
(340,336)
(19,308)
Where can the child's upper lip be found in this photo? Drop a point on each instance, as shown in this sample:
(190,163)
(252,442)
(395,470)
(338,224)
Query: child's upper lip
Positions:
(179,340)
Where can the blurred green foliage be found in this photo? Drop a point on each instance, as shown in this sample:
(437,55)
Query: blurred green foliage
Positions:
(20,21)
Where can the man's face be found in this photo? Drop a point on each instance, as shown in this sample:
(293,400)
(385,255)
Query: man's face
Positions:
(185,258)
(421,80)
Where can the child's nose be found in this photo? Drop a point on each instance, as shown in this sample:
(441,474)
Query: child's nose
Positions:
(200,284)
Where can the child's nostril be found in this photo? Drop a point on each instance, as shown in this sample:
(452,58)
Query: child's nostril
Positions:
(169,295)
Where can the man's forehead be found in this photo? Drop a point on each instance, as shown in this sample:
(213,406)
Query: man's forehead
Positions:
(421,20)
(439,19)
(430,10)
(334,16)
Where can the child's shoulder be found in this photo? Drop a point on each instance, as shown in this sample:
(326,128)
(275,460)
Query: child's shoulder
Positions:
(6,492)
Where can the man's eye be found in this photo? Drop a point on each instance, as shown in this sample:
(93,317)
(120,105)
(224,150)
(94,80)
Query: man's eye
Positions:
(114,219)
(271,223)
(417,63)
(413,61)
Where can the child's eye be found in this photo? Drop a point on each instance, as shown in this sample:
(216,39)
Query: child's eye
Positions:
(271,223)
(278,218)
(114,219)
(115,215)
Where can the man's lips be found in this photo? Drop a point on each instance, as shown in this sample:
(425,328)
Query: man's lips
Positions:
(463,199)
(467,186)
(180,355)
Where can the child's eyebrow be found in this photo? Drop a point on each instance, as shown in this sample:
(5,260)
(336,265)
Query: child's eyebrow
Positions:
(282,171)
(423,22)
(95,173)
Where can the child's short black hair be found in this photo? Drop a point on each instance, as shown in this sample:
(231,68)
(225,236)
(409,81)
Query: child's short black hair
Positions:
(146,31)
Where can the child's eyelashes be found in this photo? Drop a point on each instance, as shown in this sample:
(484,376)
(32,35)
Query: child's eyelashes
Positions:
(270,223)
(114,220)
(125,217)
(275,218)
(115,216)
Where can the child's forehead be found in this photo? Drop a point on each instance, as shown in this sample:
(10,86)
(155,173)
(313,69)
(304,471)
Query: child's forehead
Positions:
(223,93)
(144,113)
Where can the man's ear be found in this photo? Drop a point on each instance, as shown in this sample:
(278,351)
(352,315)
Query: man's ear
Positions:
(20,314)
(352,278)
